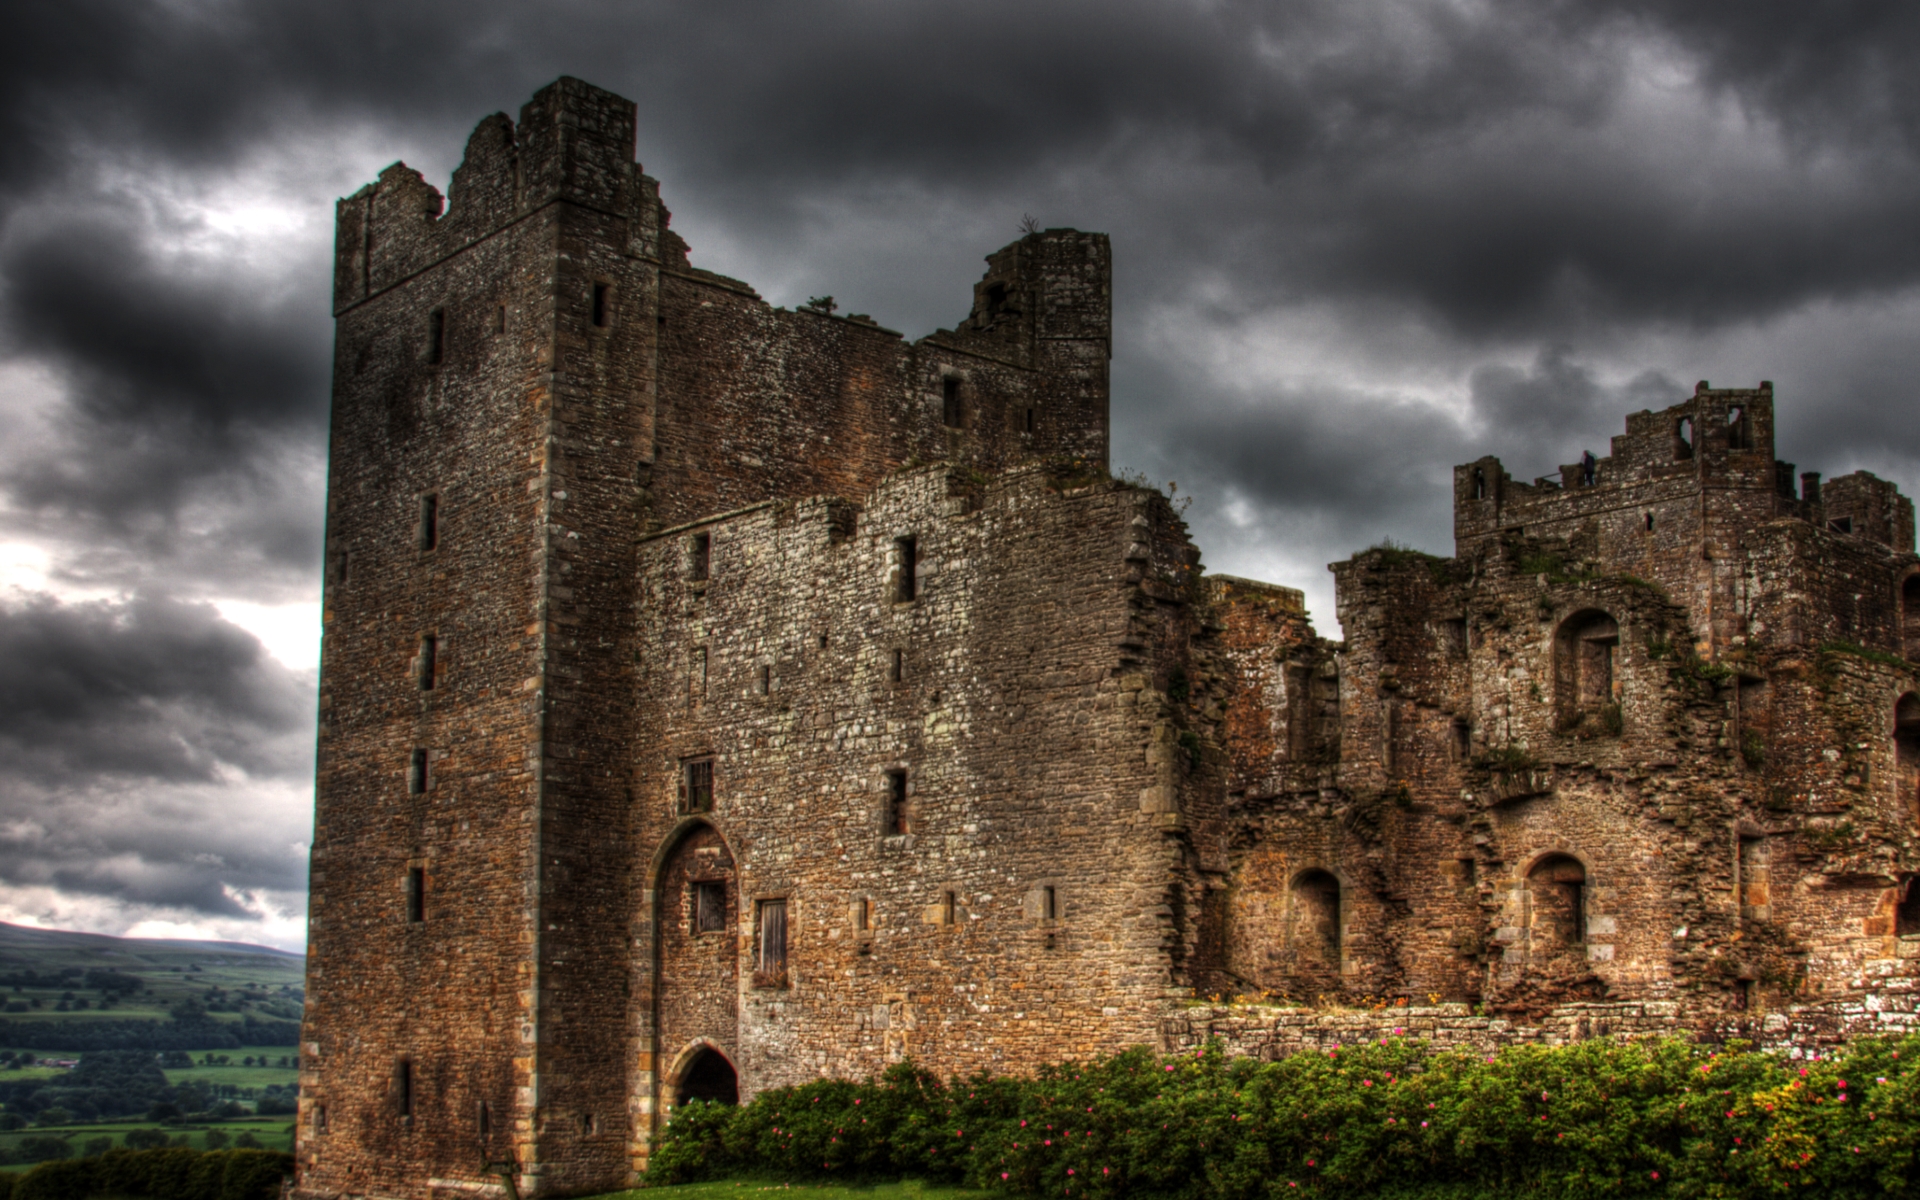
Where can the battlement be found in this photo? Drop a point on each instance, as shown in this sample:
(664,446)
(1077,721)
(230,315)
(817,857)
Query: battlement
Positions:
(573,142)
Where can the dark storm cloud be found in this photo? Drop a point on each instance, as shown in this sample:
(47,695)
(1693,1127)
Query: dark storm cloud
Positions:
(148,688)
(142,745)
(1568,210)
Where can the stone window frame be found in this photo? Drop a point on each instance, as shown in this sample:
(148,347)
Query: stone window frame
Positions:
(897,793)
(953,400)
(1597,929)
(429,659)
(1574,712)
(697,891)
(781,975)
(690,773)
(429,532)
(904,561)
(414,893)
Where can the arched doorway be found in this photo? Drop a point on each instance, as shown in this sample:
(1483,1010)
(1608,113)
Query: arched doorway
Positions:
(707,1076)
(1315,922)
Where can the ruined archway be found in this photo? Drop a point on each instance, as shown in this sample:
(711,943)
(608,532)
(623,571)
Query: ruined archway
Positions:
(1906,749)
(706,1074)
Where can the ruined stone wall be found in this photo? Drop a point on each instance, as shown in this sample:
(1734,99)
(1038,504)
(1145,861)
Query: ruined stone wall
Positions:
(1014,694)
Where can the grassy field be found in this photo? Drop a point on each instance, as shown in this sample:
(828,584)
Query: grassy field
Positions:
(43,976)
(760,1189)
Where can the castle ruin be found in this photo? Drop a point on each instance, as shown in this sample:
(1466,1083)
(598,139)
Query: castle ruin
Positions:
(716,696)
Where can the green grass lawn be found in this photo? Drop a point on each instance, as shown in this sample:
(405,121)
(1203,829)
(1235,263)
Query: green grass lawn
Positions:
(234,1072)
(761,1189)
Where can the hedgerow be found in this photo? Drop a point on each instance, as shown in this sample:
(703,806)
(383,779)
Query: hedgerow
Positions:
(174,1173)
(1595,1119)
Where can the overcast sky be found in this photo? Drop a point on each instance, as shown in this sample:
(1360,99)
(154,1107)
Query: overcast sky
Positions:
(1354,243)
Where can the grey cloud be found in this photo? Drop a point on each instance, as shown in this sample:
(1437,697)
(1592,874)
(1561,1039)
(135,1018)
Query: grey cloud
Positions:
(149,688)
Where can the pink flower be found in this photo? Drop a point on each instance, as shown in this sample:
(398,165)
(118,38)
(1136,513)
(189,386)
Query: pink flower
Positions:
(1069,1170)
(1653,1174)
(1423,1124)
(1170,1068)
(1003,1174)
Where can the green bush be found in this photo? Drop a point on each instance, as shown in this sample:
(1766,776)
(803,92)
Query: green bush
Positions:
(174,1173)
(1596,1119)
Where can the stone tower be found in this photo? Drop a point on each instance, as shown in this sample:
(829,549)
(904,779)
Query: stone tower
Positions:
(529,378)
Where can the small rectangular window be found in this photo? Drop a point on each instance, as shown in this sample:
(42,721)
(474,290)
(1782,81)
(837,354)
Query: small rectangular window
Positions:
(436,336)
(709,907)
(770,944)
(698,786)
(1462,744)
(429,661)
(430,521)
(602,310)
(1029,420)
(483,1119)
(403,1087)
(897,818)
(899,669)
(342,566)
(499,326)
(948,904)
(416,895)
(952,415)
(906,553)
(766,679)
(700,557)
(697,672)
(863,915)
(417,772)
(319,1118)
(1049,903)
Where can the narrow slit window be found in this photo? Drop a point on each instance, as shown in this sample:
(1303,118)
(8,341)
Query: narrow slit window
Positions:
(948,904)
(1649,522)
(1049,903)
(1462,739)
(699,786)
(602,308)
(697,673)
(403,1087)
(319,1118)
(952,413)
(342,566)
(429,661)
(863,915)
(898,671)
(499,326)
(710,907)
(700,557)
(1029,420)
(417,772)
(907,558)
(483,1119)
(430,521)
(416,895)
(436,336)
(898,819)
(766,679)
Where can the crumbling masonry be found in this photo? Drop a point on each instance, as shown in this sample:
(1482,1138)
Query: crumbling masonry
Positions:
(716,696)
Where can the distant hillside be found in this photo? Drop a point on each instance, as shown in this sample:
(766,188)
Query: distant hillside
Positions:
(61,990)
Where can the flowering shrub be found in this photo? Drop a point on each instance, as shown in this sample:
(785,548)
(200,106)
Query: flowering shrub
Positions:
(1596,1119)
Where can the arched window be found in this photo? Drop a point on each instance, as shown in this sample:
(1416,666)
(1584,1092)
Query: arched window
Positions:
(1315,933)
(1556,907)
(1910,616)
(1683,438)
(1479,483)
(1586,687)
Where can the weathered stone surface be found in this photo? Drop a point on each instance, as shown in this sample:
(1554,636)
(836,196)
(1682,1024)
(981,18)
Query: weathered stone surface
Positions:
(744,621)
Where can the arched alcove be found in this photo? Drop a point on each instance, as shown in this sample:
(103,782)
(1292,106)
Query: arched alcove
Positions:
(1314,931)
(1683,438)
(1556,908)
(1586,651)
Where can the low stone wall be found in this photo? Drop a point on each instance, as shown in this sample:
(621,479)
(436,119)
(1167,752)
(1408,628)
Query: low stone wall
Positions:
(1269,1033)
